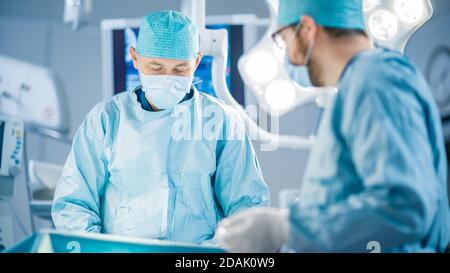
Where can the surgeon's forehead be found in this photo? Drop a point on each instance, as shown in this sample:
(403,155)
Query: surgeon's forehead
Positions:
(163,62)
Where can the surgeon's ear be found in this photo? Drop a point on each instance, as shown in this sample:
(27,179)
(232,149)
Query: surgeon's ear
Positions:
(134,58)
(199,59)
(309,28)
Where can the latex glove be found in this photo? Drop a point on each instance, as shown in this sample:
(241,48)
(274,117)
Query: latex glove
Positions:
(257,230)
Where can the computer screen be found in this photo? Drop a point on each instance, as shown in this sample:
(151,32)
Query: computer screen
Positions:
(126,77)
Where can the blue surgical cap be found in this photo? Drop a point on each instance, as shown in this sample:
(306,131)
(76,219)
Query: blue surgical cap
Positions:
(168,35)
(344,14)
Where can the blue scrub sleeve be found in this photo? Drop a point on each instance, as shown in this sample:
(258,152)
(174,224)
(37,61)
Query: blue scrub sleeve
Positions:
(239,183)
(76,205)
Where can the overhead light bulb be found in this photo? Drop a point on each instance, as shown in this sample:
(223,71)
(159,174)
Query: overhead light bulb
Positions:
(409,11)
(383,25)
(280,95)
(262,67)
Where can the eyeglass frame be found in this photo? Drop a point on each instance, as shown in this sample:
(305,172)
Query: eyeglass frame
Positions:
(297,25)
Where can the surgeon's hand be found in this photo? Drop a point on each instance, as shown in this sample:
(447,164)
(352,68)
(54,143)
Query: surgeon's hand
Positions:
(257,230)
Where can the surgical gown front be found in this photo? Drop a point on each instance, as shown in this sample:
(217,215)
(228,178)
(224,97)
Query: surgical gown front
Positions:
(376,179)
(169,175)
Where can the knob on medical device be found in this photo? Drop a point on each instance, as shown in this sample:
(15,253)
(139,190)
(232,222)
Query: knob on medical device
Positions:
(14,171)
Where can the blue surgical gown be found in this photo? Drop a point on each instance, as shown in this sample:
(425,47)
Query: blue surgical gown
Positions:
(377,174)
(154,175)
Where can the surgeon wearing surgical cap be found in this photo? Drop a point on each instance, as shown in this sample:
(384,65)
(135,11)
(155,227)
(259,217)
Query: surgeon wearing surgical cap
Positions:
(162,161)
(376,179)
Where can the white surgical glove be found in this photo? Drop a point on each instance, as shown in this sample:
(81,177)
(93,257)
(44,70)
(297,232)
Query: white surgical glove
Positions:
(257,230)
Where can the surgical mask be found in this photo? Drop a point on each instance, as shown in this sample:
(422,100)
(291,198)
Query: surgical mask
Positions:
(165,91)
(299,73)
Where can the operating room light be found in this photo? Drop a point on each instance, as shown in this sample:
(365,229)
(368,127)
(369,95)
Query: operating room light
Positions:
(391,23)
(262,67)
(383,25)
(409,11)
(280,94)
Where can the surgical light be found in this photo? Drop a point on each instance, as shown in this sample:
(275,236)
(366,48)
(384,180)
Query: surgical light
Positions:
(262,67)
(280,94)
(383,25)
(391,23)
(409,11)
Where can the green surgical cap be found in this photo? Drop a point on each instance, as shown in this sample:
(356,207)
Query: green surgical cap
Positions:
(344,14)
(168,35)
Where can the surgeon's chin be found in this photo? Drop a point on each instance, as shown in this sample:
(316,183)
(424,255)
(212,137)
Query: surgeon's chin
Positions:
(153,106)
(314,76)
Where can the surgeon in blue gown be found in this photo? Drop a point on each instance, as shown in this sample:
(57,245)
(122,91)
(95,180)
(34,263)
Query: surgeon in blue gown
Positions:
(376,179)
(162,161)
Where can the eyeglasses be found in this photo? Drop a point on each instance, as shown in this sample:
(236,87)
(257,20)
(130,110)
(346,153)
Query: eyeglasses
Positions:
(278,39)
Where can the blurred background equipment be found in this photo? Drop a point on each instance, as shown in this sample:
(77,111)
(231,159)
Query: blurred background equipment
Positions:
(11,148)
(77,12)
(438,76)
(35,95)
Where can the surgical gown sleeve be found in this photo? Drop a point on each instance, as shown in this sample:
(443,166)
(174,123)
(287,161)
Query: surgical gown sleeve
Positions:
(383,126)
(76,205)
(239,183)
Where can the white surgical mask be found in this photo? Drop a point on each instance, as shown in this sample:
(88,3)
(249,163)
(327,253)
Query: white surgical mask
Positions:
(165,91)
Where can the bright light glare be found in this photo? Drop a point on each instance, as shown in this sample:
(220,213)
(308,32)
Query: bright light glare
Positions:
(280,53)
(383,25)
(369,5)
(409,11)
(274,4)
(262,67)
(280,95)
